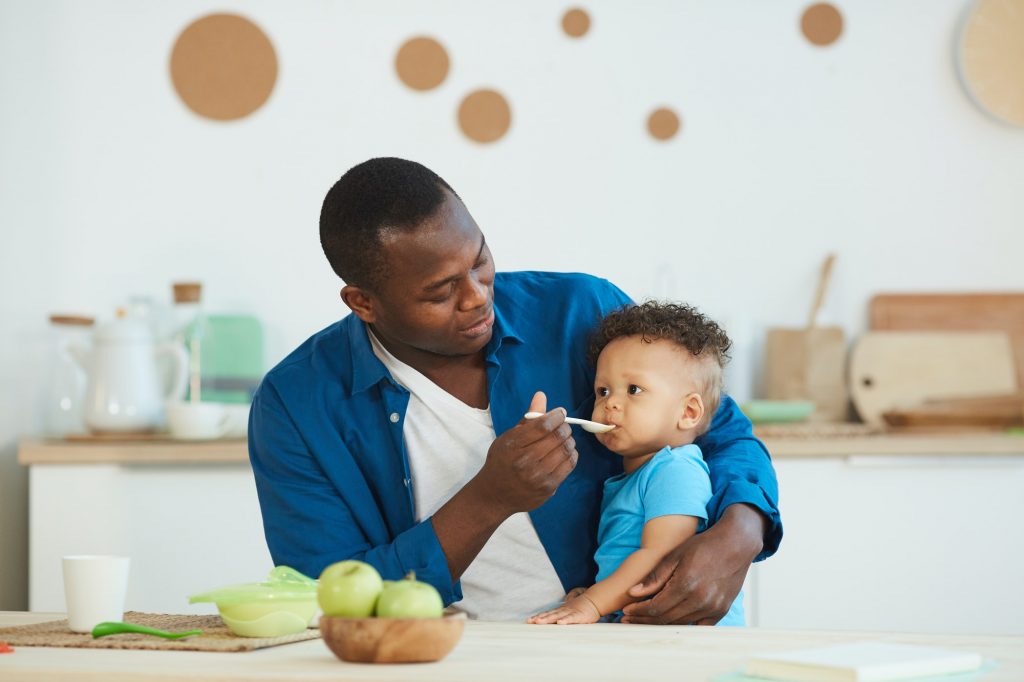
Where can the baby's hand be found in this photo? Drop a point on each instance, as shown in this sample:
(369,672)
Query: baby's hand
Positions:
(576,611)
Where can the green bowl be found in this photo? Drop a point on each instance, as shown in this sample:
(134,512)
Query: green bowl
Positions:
(777,411)
(283,605)
(268,619)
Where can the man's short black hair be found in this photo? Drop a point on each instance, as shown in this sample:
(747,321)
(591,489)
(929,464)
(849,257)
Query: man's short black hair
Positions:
(383,193)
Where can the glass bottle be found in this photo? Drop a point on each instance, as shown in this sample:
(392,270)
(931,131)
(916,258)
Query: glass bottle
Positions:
(188,330)
(65,397)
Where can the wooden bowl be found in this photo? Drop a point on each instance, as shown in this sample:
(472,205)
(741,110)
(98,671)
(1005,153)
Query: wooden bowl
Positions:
(391,640)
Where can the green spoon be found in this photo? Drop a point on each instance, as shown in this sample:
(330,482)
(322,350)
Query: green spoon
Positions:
(104,629)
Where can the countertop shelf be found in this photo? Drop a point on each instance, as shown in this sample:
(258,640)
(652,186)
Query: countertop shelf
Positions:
(34,451)
(154,451)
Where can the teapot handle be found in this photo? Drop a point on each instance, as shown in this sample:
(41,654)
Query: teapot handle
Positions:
(176,390)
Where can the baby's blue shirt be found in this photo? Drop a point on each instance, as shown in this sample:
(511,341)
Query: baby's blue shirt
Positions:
(674,481)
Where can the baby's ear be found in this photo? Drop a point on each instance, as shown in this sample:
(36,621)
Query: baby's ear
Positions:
(692,412)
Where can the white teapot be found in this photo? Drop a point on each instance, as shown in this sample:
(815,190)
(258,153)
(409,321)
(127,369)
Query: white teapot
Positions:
(123,390)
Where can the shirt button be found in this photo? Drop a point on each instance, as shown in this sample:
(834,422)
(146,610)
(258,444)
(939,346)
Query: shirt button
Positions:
(394,417)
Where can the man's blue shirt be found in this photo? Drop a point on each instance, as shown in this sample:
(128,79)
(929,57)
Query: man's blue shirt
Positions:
(326,445)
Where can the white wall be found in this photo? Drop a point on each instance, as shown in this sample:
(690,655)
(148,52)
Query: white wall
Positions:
(109,186)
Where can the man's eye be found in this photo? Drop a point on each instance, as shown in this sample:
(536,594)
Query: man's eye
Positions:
(634,389)
(444,296)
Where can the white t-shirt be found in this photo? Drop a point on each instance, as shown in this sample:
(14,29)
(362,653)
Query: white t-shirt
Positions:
(446,442)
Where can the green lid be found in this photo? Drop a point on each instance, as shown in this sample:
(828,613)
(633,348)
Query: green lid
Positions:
(283,584)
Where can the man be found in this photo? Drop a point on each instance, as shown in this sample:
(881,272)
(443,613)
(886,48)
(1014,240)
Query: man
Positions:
(378,438)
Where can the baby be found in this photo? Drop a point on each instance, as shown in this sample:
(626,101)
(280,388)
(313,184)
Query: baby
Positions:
(659,381)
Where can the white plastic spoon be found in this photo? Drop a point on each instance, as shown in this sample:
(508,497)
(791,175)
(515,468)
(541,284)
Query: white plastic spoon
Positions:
(593,427)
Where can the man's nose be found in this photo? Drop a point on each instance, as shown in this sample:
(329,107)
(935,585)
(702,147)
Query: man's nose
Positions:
(474,293)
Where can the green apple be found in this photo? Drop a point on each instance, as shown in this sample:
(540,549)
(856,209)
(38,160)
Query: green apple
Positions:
(409,598)
(349,589)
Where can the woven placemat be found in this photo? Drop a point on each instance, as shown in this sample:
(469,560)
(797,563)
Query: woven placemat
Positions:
(215,637)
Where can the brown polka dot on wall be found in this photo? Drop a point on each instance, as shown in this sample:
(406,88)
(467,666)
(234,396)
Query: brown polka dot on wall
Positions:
(576,23)
(663,124)
(223,66)
(484,116)
(422,63)
(822,24)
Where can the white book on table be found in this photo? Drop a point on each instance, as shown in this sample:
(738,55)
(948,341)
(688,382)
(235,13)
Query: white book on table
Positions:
(862,662)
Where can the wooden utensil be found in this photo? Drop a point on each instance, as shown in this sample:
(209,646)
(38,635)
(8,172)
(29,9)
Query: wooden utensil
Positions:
(897,371)
(954,312)
(808,363)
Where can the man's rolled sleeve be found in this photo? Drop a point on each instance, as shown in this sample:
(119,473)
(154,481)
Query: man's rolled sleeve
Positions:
(741,471)
(744,492)
(418,549)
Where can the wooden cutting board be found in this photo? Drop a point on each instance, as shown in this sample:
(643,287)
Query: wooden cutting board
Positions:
(900,370)
(808,364)
(954,312)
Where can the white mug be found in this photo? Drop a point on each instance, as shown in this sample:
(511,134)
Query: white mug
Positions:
(198,420)
(94,590)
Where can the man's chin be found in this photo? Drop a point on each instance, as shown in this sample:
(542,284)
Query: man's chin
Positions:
(464,346)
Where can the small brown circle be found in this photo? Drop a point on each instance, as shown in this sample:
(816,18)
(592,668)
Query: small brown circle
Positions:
(663,124)
(576,23)
(484,116)
(422,63)
(822,24)
(223,66)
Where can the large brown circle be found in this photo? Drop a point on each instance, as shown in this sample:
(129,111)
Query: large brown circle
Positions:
(663,124)
(576,23)
(422,63)
(223,66)
(484,116)
(822,24)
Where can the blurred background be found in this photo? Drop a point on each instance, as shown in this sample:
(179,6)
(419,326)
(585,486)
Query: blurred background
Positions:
(709,152)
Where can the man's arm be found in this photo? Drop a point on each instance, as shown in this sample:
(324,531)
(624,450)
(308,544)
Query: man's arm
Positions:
(698,581)
(741,473)
(309,522)
(524,467)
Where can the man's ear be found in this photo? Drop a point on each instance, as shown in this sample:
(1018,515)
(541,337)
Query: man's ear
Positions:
(360,301)
(692,412)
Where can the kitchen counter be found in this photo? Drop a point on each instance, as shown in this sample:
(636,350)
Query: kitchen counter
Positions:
(38,451)
(488,651)
(885,495)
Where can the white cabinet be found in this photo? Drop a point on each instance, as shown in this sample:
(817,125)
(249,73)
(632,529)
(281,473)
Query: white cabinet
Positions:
(186,527)
(897,543)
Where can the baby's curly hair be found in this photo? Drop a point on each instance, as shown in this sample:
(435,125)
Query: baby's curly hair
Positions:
(681,324)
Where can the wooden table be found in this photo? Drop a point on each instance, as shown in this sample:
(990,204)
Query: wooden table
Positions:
(488,651)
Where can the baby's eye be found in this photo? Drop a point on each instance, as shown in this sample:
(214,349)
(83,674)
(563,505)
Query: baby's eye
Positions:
(601,392)
(634,389)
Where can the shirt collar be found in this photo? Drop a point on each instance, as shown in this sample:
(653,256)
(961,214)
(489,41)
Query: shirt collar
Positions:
(502,331)
(368,370)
